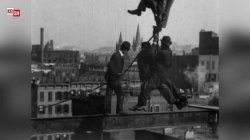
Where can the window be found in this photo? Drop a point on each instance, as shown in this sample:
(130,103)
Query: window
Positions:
(57,137)
(58,109)
(213,65)
(65,108)
(49,137)
(58,95)
(202,63)
(41,109)
(151,108)
(213,77)
(41,96)
(50,110)
(41,138)
(50,98)
(65,137)
(66,95)
(208,77)
(208,65)
(157,108)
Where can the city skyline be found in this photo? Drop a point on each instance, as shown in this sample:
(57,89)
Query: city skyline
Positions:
(99,23)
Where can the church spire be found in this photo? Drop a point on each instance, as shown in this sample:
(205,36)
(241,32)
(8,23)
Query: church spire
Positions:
(119,43)
(137,41)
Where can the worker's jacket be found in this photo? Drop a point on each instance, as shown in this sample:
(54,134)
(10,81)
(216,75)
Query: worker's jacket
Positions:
(145,61)
(164,62)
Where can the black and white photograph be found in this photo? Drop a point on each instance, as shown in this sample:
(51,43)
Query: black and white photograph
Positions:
(124,69)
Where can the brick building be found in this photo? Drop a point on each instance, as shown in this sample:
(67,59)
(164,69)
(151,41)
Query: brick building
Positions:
(61,56)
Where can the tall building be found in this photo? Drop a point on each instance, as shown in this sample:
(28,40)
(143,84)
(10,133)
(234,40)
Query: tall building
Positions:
(37,50)
(208,61)
(36,53)
(209,43)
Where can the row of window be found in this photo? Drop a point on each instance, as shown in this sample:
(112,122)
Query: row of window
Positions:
(52,137)
(58,109)
(61,55)
(58,96)
(211,77)
(63,61)
(209,64)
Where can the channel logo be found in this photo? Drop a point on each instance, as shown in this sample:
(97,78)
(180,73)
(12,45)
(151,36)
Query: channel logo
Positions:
(13,12)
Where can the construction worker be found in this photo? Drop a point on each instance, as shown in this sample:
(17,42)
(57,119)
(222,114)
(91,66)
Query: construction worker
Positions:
(113,78)
(145,61)
(157,77)
(164,62)
(160,9)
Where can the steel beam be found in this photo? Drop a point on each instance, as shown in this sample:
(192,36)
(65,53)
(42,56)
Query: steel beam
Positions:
(121,122)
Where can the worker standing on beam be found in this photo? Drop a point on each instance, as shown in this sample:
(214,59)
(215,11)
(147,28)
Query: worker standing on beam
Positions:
(153,73)
(160,9)
(113,77)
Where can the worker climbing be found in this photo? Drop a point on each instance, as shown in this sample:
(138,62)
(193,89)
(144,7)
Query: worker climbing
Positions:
(160,9)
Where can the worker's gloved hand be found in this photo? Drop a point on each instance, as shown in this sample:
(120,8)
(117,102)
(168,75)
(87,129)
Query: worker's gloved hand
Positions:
(156,30)
(156,38)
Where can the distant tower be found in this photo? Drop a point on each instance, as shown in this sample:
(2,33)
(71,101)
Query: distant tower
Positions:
(119,43)
(41,43)
(138,39)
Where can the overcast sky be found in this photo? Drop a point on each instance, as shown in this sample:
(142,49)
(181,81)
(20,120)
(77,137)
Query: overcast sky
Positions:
(92,24)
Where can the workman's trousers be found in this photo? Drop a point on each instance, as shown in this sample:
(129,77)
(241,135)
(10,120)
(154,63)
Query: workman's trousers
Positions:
(162,12)
(160,9)
(147,4)
(165,87)
(116,87)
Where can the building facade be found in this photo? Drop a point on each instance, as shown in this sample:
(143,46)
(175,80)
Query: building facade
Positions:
(53,136)
(208,62)
(55,100)
(48,95)
(36,54)
(61,56)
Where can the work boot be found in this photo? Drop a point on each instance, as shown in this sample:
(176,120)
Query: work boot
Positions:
(138,108)
(181,103)
(135,12)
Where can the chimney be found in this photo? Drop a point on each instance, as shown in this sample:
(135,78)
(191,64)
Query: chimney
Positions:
(41,37)
(41,42)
